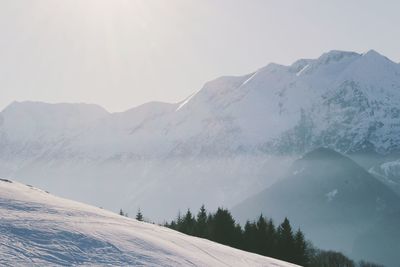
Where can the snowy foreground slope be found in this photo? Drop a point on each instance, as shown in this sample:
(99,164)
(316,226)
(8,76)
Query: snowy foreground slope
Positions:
(37,228)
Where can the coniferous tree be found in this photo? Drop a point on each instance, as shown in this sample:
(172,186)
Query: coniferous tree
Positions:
(330,258)
(171,225)
(223,228)
(285,243)
(300,249)
(250,237)
(139,215)
(368,264)
(121,212)
(262,237)
(210,222)
(201,223)
(238,237)
(188,223)
(178,221)
(271,239)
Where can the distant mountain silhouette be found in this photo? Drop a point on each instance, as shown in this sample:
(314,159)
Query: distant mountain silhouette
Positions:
(333,199)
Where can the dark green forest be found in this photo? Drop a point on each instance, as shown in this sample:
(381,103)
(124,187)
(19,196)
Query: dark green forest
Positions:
(260,236)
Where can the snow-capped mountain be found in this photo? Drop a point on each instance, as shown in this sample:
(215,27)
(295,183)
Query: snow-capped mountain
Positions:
(344,100)
(223,139)
(39,229)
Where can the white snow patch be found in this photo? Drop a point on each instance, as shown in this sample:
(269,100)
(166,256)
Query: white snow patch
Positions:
(249,79)
(186,101)
(331,195)
(302,70)
(39,229)
(298,171)
(392,167)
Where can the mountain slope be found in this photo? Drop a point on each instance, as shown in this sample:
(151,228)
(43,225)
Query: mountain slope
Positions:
(226,138)
(333,199)
(389,173)
(343,100)
(39,229)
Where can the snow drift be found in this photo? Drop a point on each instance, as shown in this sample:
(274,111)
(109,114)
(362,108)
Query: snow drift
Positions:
(37,228)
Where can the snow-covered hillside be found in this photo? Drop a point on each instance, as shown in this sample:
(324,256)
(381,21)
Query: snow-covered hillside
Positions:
(39,229)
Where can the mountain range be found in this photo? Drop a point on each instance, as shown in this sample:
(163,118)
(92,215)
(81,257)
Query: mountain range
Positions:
(342,100)
(228,141)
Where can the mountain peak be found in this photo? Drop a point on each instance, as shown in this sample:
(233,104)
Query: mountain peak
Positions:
(272,67)
(335,55)
(372,52)
(322,153)
(37,106)
(373,55)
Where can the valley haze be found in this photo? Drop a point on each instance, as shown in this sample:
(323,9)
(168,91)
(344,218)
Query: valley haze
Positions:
(224,145)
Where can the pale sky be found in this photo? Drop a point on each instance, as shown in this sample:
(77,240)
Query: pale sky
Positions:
(122,53)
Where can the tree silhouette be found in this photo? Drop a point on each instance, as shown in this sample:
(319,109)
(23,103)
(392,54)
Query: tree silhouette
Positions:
(250,237)
(224,230)
(121,212)
(201,223)
(261,237)
(300,249)
(285,241)
(139,215)
(187,224)
(330,258)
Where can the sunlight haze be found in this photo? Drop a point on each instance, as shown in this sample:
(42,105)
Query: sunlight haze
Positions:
(120,54)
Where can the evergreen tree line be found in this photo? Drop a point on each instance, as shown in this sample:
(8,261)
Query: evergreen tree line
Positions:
(261,236)
(139,215)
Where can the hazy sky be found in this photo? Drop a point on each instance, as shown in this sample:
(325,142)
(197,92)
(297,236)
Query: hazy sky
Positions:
(122,53)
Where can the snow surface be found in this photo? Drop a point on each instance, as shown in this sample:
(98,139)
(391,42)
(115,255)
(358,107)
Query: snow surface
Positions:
(391,168)
(39,229)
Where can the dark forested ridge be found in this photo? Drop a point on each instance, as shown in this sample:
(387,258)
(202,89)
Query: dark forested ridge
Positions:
(260,236)
(337,203)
